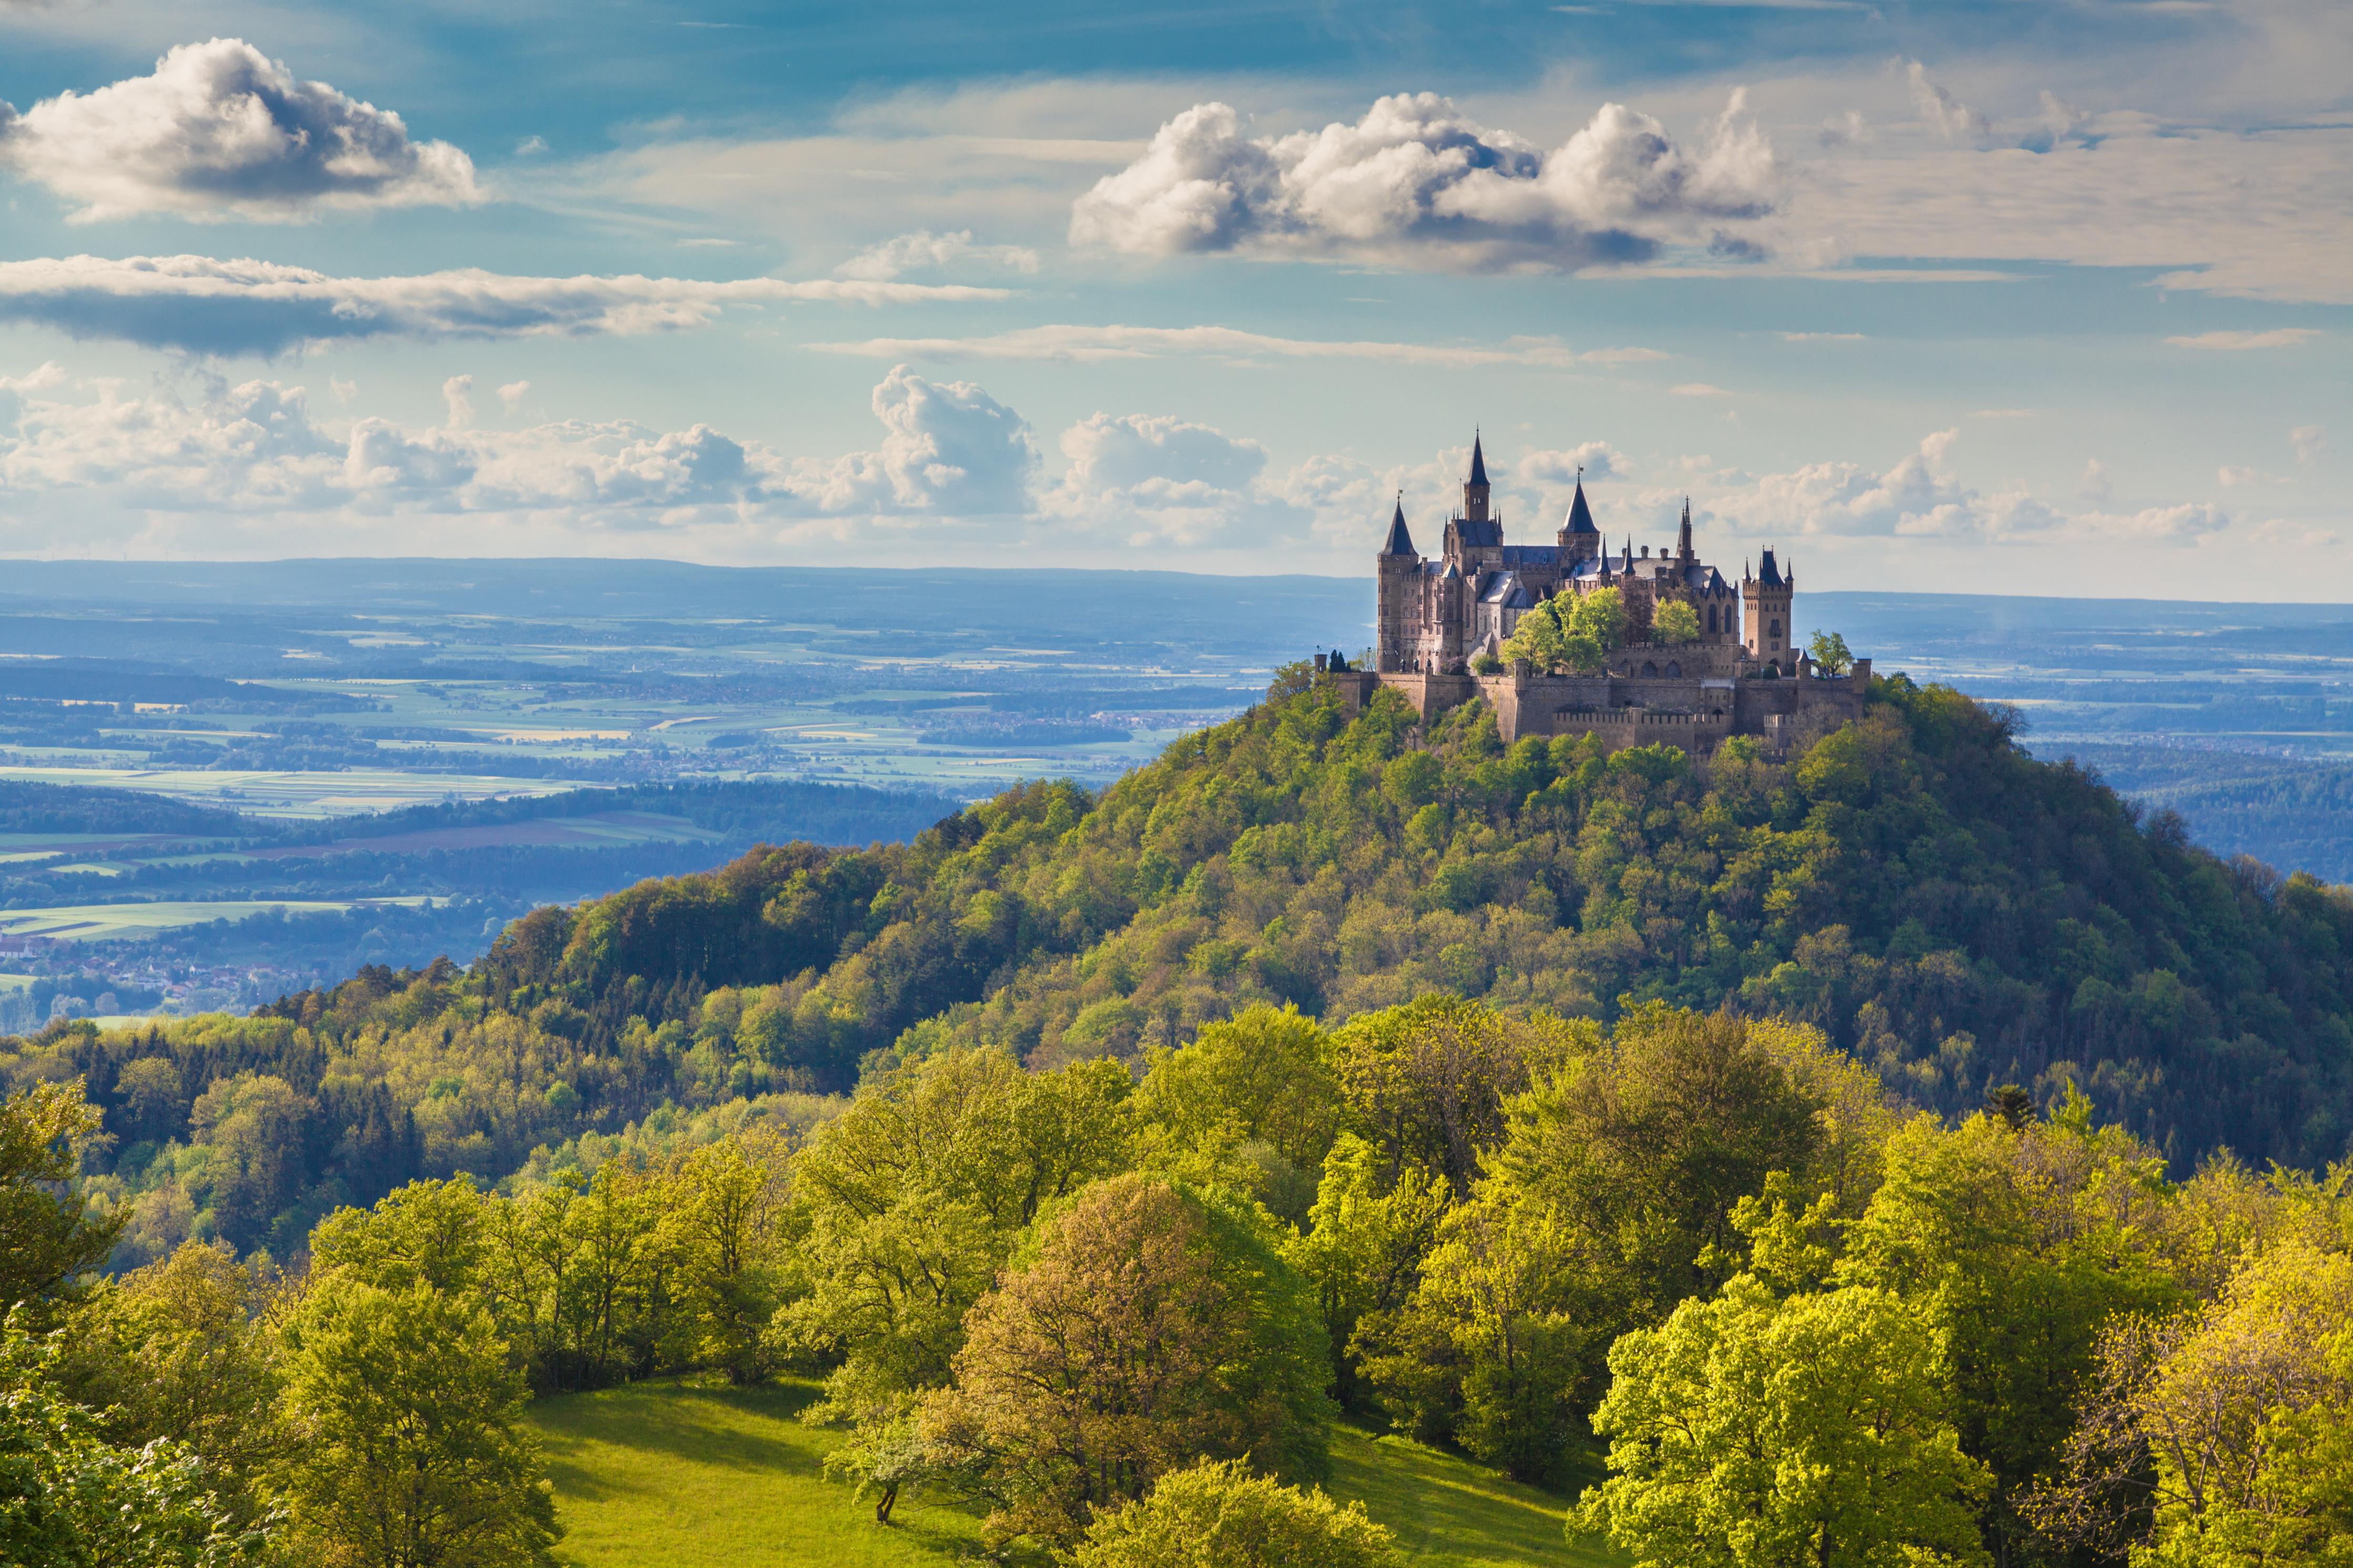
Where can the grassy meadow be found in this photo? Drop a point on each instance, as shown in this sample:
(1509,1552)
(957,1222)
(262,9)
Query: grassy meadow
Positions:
(694,1475)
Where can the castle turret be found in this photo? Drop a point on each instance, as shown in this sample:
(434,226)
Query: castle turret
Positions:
(1683,551)
(1770,631)
(1579,540)
(1397,572)
(1476,492)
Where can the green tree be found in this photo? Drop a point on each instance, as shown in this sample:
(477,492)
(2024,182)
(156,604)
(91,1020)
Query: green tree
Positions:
(1253,1095)
(1147,1326)
(49,1235)
(1363,1247)
(2220,1438)
(1830,652)
(69,1499)
(409,1447)
(1675,623)
(724,1241)
(912,1200)
(1752,1432)
(1220,1515)
(431,1235)
(178,1352)
(2010,1239)
(1569,632)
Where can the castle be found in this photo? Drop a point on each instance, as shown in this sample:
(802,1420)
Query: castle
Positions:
(1441,625)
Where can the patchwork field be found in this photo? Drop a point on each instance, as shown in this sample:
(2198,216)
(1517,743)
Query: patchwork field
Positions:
(347,791)
(129,922)
(697,1475)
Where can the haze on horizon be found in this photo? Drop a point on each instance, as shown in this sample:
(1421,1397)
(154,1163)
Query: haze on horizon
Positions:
(2011,297)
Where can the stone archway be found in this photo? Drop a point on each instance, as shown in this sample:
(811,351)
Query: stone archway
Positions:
(1650,669)
(1674,670)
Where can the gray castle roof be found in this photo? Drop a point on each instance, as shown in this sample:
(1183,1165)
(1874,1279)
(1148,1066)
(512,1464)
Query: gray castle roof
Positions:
(1478,462)
(1767,573)
(1399,541)
(1580,516)
(1508,591)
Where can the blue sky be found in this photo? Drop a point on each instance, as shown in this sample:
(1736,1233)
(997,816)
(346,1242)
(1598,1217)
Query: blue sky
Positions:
(2032,296)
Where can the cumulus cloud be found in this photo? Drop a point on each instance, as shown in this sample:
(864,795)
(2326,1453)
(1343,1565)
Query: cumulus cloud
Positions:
(2183,524)
(1416,183)
(255,449)
(205,306)
(1152,479)
(924,251)
(949,449)
(2308,442)
(511,394)
(220,131)
(2276,338)
(1593,459)
(1093,344)
(1940,110)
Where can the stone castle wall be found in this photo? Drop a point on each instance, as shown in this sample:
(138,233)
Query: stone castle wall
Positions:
(1695,712)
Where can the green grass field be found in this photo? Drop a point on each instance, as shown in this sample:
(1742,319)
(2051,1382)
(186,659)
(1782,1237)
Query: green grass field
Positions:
(695,1475)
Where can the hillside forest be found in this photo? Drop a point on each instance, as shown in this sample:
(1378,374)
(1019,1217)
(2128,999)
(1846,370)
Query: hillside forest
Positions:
(1904,1151)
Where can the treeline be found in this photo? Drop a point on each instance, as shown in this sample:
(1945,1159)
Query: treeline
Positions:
(1706,1263)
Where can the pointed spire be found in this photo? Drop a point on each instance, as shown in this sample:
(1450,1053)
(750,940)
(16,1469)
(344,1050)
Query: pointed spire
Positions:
(1400,542)
(1580,516)
(1478,461)
(1683,540)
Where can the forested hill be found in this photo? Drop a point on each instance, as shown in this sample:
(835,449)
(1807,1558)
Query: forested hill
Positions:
(1945,906)
(1937,901)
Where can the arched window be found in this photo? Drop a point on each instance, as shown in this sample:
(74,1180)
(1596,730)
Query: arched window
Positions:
(1674,670)
(1711,620)
(1776,631)
(1650,669)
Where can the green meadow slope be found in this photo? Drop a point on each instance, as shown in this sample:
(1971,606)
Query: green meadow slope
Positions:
(702,1476)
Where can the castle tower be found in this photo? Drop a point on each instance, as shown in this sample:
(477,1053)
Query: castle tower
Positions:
(1474,535)
(1683,551)
(1397,614)
(1771,633)
(1476,492)
(1579,540)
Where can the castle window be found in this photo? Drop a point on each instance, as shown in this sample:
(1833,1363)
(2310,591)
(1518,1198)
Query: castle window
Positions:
(1674,668)
(1711,620)
(1650,669)
(1776,631)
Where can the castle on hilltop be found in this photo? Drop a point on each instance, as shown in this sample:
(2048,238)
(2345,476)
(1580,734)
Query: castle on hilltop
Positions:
(1441,625)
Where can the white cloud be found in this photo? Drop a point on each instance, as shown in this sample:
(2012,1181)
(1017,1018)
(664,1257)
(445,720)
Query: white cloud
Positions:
(1699,389)
(2308,442)
(531,146)
(2183,524)
(1152,479)
(205,306)
(1416,183)
(220,131)
(949,449)
(2276,338)
(254,452)
(1824,338)
(1918,496)
(1094,343)
(2265,213)
(512,394)
(2097,484)
(924,251)
(1940,110)
(1594,460)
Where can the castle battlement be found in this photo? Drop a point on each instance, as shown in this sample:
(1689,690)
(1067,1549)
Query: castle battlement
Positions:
(1742,675)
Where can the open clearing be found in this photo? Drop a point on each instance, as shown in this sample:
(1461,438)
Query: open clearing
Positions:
(699,1476)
